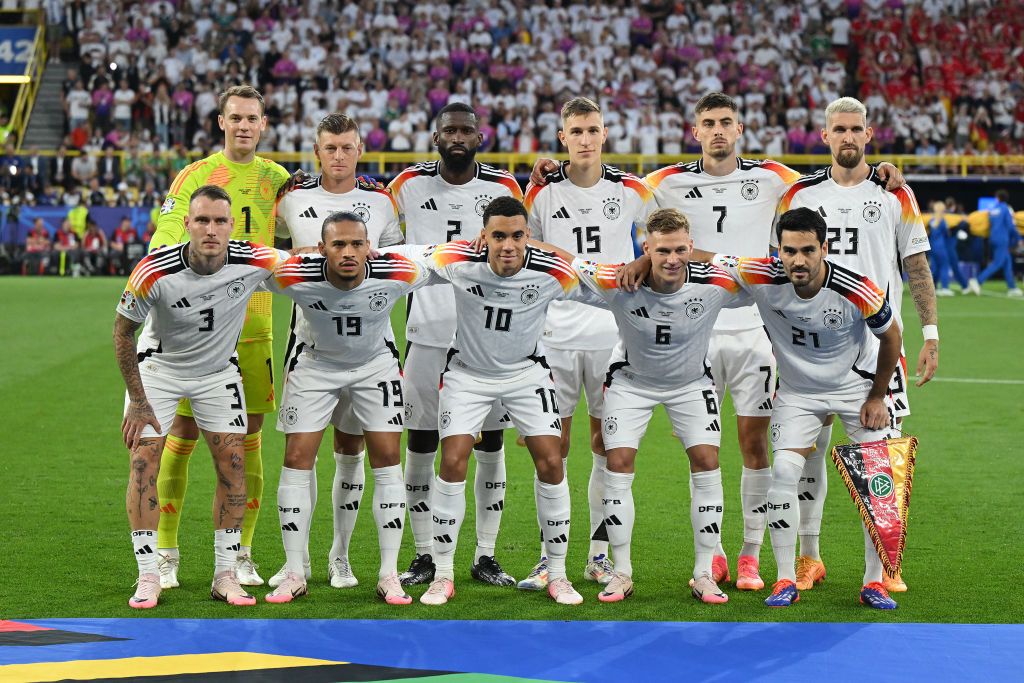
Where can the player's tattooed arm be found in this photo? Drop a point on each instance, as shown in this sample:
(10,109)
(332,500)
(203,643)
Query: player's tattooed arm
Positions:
(922,290)
(139,412)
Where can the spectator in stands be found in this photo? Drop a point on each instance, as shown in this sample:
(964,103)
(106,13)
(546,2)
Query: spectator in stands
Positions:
(78,103)
(12,178)
(83,169)
(37,250)
(94,249)
(125,247)
(109,168)
(65,243)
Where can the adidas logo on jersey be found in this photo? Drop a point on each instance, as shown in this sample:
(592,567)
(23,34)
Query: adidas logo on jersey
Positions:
(318,306)
(767,405)
(238,421)
(898,404)
(821,212)
(710,528)
(557,424)
(476,289)
(694,194)
(396,420)
(309,213)
(713,427)
(393,524)
(181,303)
(429,205)
(641,312)
(561,213)
(290,526)
(420,507)
(781,524)
(497,507)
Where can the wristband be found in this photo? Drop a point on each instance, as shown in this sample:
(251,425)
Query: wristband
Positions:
(930,332)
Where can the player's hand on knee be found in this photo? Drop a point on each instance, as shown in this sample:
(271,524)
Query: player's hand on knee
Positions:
(874,414)
(927,362)
(630,276)
(135,420)
(541,168)
(891,175)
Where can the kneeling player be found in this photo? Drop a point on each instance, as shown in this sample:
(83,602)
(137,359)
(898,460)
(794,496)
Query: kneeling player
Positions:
(818,315)
(351,357)
(501,299)
(665,328)
(193,298)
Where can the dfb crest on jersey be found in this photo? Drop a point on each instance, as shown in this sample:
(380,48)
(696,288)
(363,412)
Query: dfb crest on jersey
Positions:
(694,308)
(378,302)
(611,208)
(289,415)
(749,191)
(168,206)
(446,419)
(872,211)
(362,210)
(482,200)
(529,294)
(776,432)
(128,300)
(266,188)
(833,319)
(236,289)
(611,425)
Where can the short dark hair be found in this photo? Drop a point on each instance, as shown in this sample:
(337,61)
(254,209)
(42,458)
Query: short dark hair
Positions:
(715,100)
(342,217)
(1001,195)
(211,192)
(244,91)
(802,220)
(505,206)
(457,108)
(336,124)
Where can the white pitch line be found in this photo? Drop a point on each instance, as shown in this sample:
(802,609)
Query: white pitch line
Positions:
(976,380)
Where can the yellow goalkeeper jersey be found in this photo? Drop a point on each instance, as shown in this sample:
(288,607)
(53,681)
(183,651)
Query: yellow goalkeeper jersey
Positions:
(253,189)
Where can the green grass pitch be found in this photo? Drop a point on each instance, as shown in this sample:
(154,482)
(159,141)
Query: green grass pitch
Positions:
(65,549)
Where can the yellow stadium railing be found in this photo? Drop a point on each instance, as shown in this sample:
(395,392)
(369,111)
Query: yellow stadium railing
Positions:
(26,99)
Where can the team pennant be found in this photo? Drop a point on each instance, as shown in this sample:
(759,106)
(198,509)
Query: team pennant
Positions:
(878,475)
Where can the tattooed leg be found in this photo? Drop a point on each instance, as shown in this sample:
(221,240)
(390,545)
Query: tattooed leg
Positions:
(141,498)
(229,463)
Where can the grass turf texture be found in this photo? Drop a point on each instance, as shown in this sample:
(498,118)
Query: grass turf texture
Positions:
(66,550)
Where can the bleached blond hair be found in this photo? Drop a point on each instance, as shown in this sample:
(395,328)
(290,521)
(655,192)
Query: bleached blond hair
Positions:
(845,105)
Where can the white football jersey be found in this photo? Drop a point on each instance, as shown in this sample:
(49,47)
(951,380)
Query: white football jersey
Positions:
(664,337)
(500,319)
(348,328)
(731,214)
(192,321)
(870,229)
(433,212)
(599,223)
(823,345)
(301,213)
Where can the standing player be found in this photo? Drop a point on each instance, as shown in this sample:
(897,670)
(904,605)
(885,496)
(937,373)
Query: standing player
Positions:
(665,328)
(593,211)
(501,300)
(253,183)
(348,358)
(819,315)
(193,299)
(1003,236)
(300,217)
(440,201)
(878,233)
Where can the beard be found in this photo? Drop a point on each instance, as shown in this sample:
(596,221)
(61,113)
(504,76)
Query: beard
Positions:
(456,163)
(719,153)
(849,158)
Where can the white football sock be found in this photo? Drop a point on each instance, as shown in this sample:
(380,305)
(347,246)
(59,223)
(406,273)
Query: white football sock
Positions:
(448,504)
(388,514)
(346,494)
(226,543)
(144,545)
(754,497)
(294,513)
(313,496)
(489,491)
(706,517)
(595,500)
(783,511)
(719,550)
(872,563)
(619,517)
(419,478)
(553,510)
(811,492)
